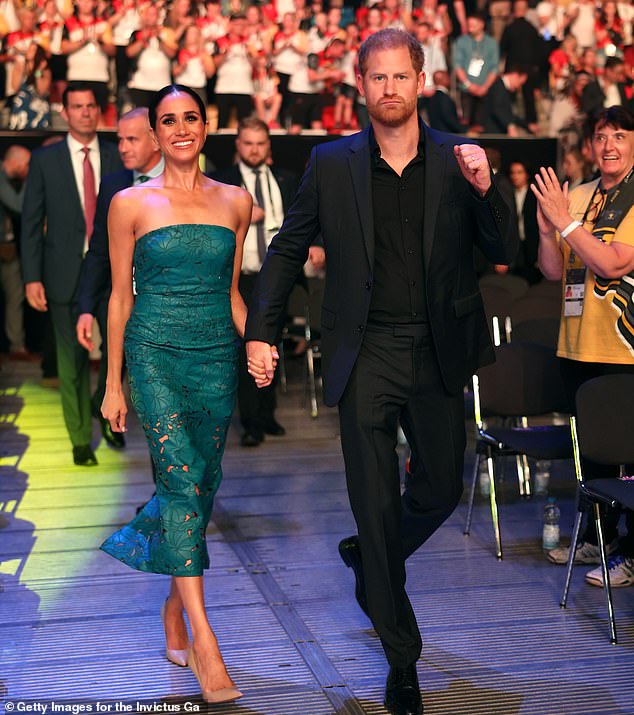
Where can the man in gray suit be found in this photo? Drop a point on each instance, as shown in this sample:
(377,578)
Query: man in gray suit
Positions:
(61,193)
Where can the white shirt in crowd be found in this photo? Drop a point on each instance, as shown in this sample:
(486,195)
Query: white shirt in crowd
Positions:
(122,32)
(153,69)
(435,61)
(235,74)
(273,210)
(520,198)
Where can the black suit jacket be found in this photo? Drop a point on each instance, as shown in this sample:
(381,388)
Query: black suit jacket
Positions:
(593,97)
(526,262)
(498,109)
(94,278)
(521,45)
(442,113)
(335,197)
(286,180)
(52,199)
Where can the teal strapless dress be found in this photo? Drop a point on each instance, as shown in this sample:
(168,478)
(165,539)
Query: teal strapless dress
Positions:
(181,349)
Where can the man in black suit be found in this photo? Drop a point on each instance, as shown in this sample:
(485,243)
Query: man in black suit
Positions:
(273,190)
(525,203)
(400,208)
(607,90)
(497,115)
(61,193)
(523,47)
(142,160)
(441,109)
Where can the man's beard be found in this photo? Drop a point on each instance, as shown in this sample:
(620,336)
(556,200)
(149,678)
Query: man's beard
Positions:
(254,163)
(394,115)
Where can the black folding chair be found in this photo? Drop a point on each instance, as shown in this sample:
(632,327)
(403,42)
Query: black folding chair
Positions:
(602,433)
(523,382)
(305,308)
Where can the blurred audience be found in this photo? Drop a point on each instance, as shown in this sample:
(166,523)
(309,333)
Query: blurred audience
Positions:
(13,172)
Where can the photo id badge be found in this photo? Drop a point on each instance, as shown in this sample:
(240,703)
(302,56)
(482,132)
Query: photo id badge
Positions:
(574,291)
(475,67)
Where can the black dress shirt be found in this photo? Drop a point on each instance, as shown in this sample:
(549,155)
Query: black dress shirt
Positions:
(398,293)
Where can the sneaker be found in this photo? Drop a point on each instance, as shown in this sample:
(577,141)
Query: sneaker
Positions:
(586,553)
(620,570)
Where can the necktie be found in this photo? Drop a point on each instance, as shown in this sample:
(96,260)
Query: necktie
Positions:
(90,193)
(142,178)
(259,226)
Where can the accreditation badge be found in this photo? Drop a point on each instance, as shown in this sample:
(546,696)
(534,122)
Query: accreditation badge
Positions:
(574,291)
(475,67)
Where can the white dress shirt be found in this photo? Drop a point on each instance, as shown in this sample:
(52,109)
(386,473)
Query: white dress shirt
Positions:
(152,173)
(273,214)
(520,198)
(77,159)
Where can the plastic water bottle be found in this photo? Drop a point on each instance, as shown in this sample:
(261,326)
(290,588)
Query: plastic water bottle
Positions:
(550,537)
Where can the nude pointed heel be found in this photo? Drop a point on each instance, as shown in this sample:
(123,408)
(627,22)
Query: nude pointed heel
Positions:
(176,656)
(224,695)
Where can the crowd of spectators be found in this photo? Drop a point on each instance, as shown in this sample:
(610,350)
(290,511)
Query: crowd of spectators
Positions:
(516,68)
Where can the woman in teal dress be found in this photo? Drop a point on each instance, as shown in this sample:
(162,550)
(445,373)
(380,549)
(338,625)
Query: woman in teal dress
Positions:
(183,234)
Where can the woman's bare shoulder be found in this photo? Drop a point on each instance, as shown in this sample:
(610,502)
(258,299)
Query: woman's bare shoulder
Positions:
(228,191)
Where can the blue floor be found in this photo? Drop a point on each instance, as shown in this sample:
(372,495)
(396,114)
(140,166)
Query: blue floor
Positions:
(75,625)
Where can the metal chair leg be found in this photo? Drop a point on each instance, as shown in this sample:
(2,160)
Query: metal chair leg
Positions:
(282,367)
(494,508)
(571,557)
(474,482)
(527,477)
(520,474)
(604,570)
(312,387)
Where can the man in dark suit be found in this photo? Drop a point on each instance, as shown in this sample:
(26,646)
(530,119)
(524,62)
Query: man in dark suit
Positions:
(607,90)
(273,190)
(523,47)
(142,160)
(441,109)
(497,115)
(400,208)
(61,195)
(525,204)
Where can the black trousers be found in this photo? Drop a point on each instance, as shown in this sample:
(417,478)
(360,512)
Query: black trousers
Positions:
(574,373)
(256,405)
(225,103)
(101,314)
(396,378)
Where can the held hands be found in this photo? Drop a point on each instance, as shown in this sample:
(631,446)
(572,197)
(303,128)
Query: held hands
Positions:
(261,362)
(115,410)
(474,166)
(552,201)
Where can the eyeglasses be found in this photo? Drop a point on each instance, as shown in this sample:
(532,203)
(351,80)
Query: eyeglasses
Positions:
(597,202)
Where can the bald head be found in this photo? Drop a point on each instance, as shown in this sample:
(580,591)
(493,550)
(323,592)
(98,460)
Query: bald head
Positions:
(16,161)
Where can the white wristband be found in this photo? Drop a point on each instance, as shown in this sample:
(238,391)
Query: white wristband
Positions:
(570,228)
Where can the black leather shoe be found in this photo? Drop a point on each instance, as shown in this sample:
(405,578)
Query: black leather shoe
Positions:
(402,692)
(273,428)
(83,456)
(114,439)
(351,555)
(251,439)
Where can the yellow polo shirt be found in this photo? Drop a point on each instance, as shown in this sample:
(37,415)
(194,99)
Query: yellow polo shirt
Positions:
(604,332)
